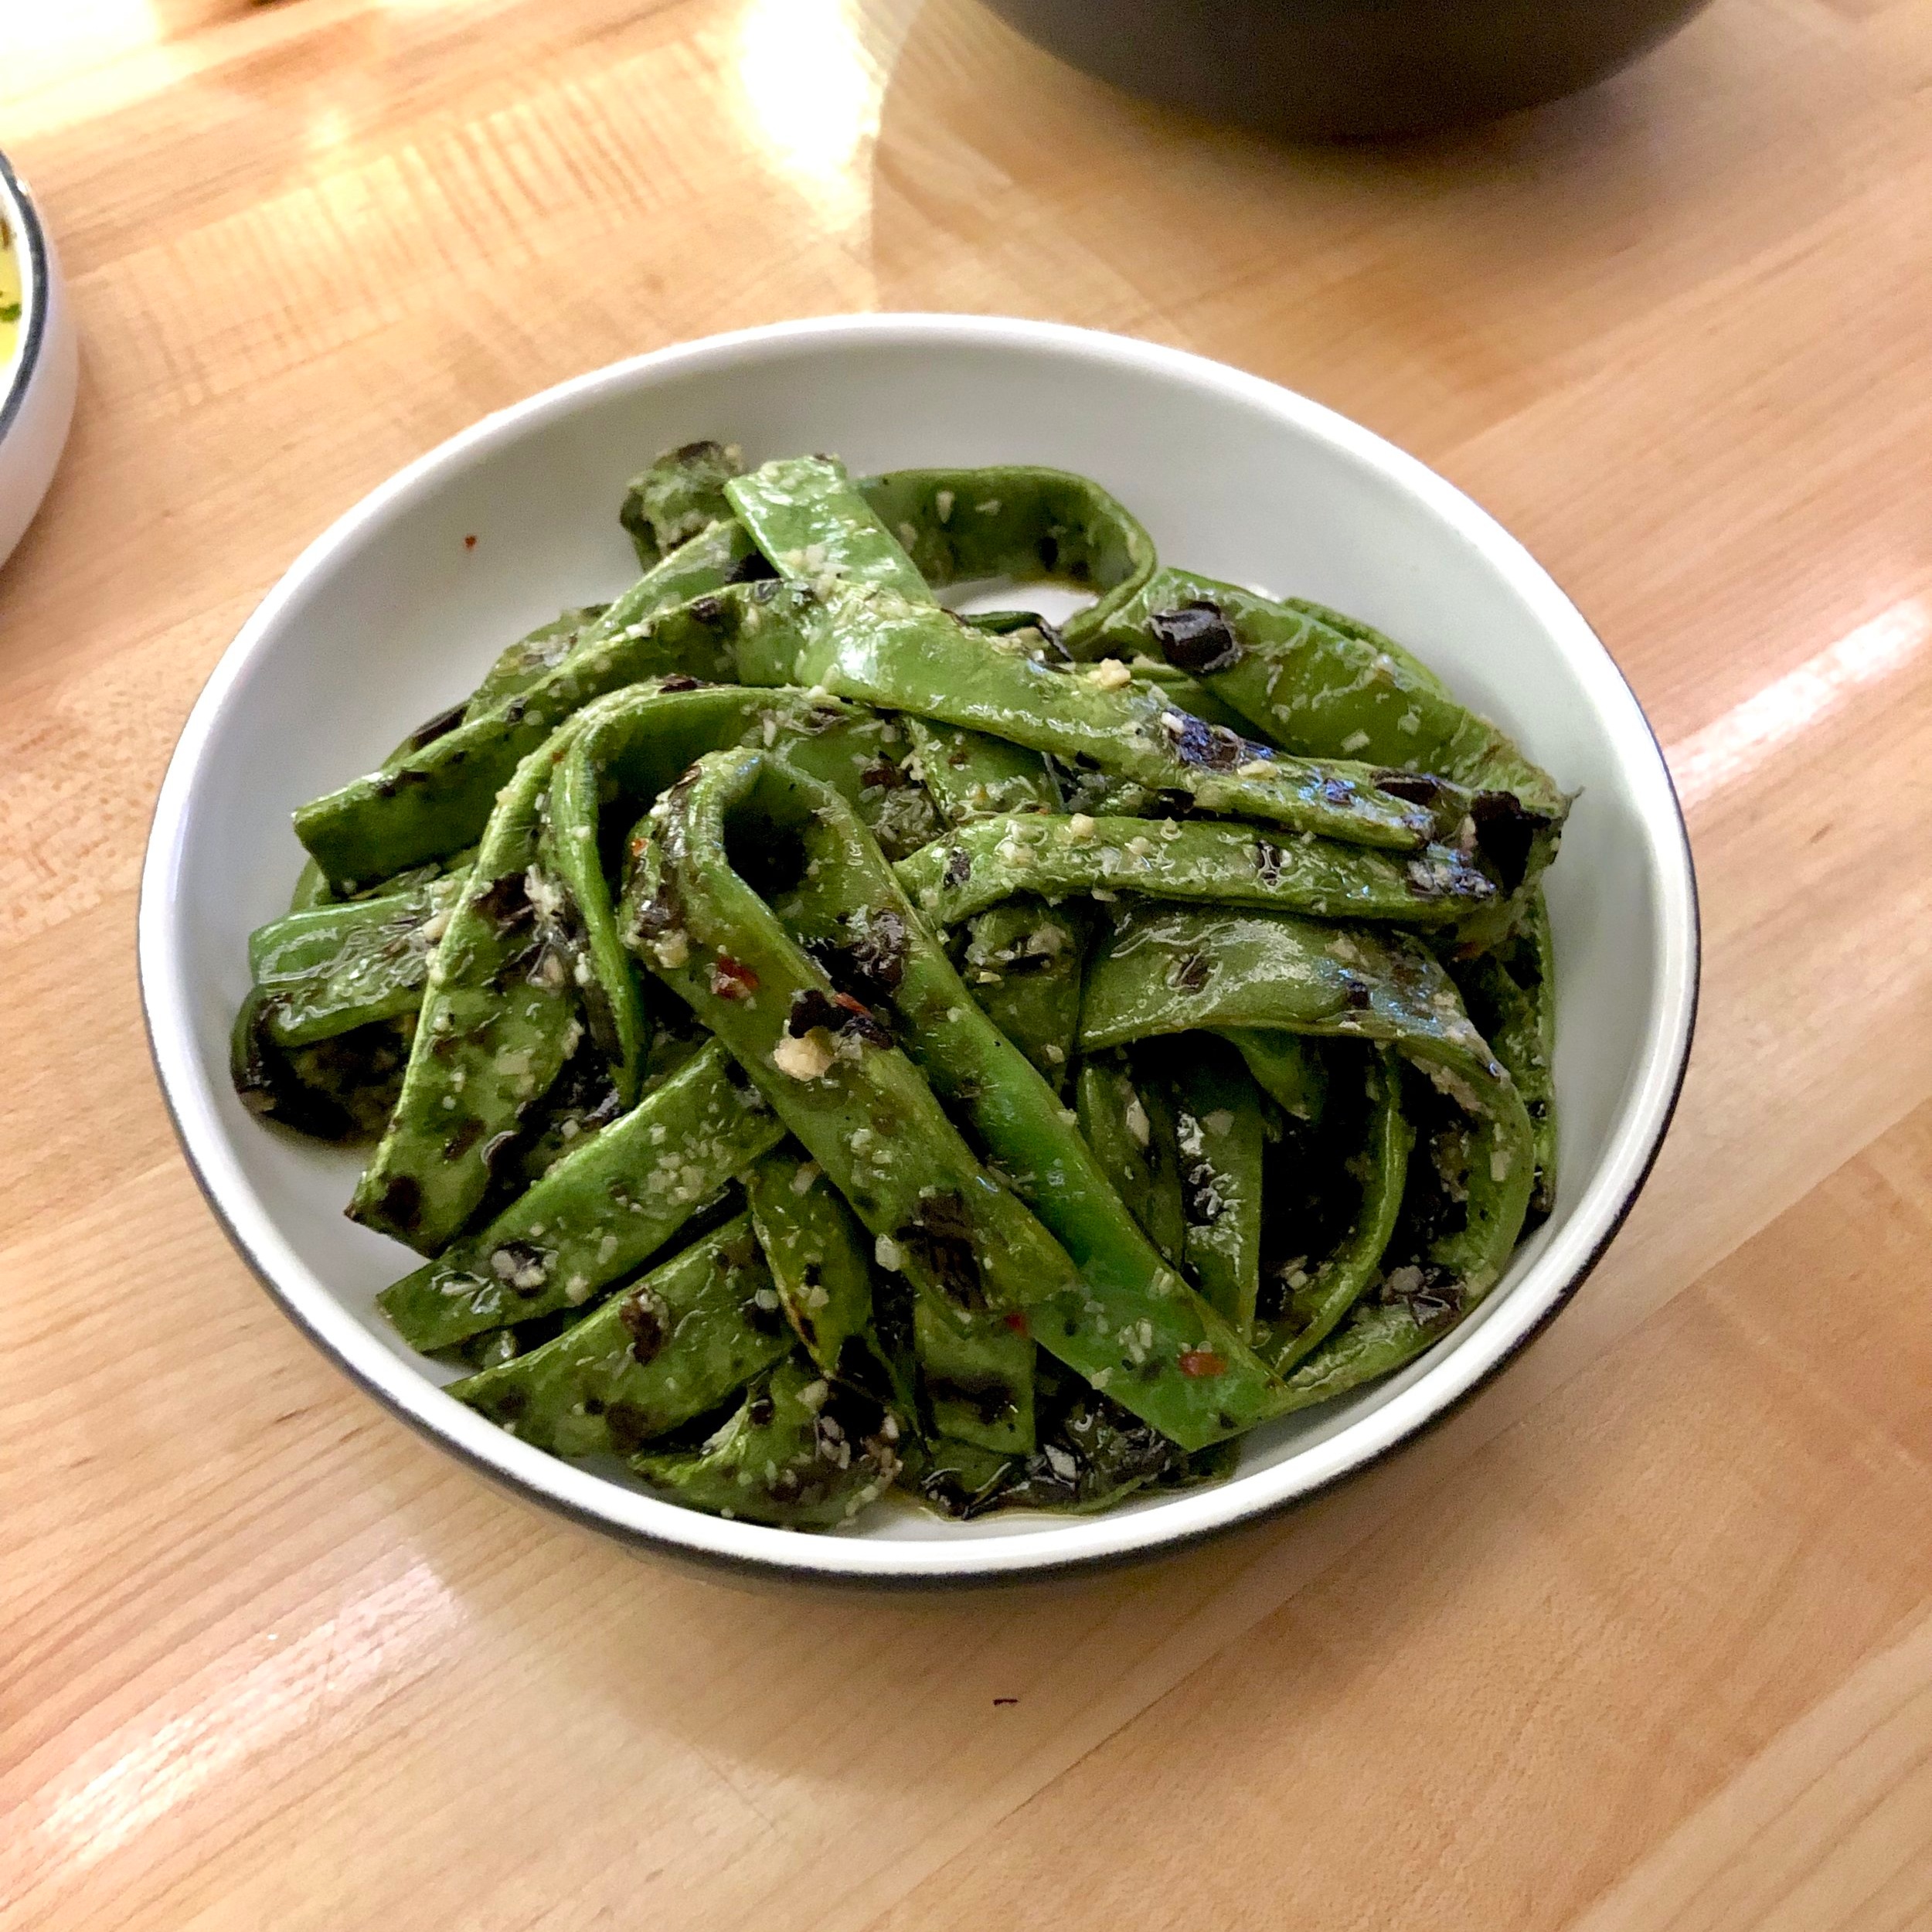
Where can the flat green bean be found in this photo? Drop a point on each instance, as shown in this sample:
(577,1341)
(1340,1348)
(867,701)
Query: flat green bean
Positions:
(977,865)
(653,1356)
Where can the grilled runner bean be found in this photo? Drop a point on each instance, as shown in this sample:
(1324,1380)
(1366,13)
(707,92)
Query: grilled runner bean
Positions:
(657,1355)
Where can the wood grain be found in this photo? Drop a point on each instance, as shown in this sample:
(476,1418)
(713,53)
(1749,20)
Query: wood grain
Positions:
(1641,1639)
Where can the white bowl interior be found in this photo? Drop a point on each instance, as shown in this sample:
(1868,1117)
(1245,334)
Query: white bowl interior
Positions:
(393,615)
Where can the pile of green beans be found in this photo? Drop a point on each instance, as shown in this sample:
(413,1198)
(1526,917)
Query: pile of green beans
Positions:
(821,1045)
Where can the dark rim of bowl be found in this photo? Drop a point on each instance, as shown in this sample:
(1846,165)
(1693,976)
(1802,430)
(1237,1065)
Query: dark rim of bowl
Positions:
(28,224)
(1020,1576)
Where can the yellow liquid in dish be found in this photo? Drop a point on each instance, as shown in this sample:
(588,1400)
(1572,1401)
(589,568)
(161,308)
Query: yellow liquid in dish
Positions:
(10,296)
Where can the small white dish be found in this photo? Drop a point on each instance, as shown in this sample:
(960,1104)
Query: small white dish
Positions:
(397,609)
(38,378)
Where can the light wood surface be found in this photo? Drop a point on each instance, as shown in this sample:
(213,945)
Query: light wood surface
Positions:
(1641,1639)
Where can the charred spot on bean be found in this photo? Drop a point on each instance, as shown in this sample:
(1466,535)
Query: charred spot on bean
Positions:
(859,1021)
(810,1008)
(987,1397)
(388,783)
(642,1315)
(1355,992)
(630,1427)
(1506,829)
(870,965)
(1413,788)
(941,1235)
(509,1402)
(757,568)
(1190,973)
(499,1155)
(707,610)
(402,1202)
(959,866)
(759,1318)
(759,1410)
(883,773)
(1268,862)
(678,681)
(504,902)
(439,726)
(1048,550)
(465,1138)
(1337,792)
(1207,747)
(514,709)
(1196,637)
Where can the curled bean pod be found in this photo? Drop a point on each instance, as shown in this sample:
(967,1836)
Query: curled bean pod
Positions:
(856,1103)
(818,1255)
(1129,1124)
(804,515)
(499,1021)
(1316,1299)
(1220,1132)
(1020,522)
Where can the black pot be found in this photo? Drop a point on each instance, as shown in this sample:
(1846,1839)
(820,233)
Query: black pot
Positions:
(1334,69)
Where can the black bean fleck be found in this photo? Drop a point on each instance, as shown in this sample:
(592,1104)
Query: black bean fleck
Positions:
(504,902)
(1196,637)
(1414,787)
(402,1202)
(439,726)
(641,1315)
(1506,831)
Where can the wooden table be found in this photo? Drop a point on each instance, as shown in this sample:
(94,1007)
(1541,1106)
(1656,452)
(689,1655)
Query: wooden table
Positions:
(1644,1639)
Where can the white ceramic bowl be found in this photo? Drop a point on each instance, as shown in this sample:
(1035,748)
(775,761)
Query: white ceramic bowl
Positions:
(393,613)
(37,381)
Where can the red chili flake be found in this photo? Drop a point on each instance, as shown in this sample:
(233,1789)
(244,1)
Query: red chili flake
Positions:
(469,543)
(732,979)
(1016,1321)
(1202,1362)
